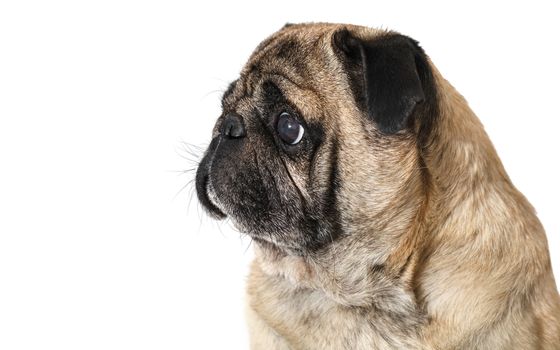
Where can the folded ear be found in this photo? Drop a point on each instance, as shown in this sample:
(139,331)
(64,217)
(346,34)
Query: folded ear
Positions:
(383,74)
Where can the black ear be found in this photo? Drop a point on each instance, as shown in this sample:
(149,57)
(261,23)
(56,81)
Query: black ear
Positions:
(384,76)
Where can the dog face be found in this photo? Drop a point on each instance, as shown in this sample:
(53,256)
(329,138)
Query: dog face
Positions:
(319,137)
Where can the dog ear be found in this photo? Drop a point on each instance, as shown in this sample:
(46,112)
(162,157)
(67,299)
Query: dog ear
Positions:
(384,76)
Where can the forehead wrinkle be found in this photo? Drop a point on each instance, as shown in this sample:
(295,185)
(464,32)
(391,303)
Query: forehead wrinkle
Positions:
(285,49)
(304,98)
(265,65)
(241,90)
(265,59)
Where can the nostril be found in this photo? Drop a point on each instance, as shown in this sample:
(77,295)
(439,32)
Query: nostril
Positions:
(233,127)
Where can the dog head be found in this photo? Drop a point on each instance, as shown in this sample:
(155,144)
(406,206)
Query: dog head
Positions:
(319,138)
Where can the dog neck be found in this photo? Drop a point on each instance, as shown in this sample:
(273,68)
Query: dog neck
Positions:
(458,153)
(360,279)
(463,169)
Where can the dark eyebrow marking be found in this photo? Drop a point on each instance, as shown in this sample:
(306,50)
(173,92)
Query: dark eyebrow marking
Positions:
(272,94)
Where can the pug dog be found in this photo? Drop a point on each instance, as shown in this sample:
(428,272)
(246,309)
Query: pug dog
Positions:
(381,215)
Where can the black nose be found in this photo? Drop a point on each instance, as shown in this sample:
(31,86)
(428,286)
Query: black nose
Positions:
(233,127)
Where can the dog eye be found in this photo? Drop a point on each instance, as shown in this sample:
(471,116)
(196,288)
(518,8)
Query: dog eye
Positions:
(289,129)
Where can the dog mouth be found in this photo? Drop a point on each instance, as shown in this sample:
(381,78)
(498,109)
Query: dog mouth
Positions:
(205,198)
(203,188)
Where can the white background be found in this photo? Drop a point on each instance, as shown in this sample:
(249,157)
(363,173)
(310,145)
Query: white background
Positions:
(100,248)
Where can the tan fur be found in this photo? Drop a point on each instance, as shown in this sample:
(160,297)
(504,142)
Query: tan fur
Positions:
(455,259)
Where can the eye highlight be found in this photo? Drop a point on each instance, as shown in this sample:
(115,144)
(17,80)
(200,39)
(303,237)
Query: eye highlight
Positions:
(289,129)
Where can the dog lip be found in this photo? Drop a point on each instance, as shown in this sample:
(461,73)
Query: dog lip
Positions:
(210,206)
(202,187)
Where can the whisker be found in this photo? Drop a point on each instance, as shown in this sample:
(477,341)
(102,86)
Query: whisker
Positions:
(182,172)
(198,207)
(248,245)
(189,183)
(190,152)
(205,96)
(192,193)
(219,228)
